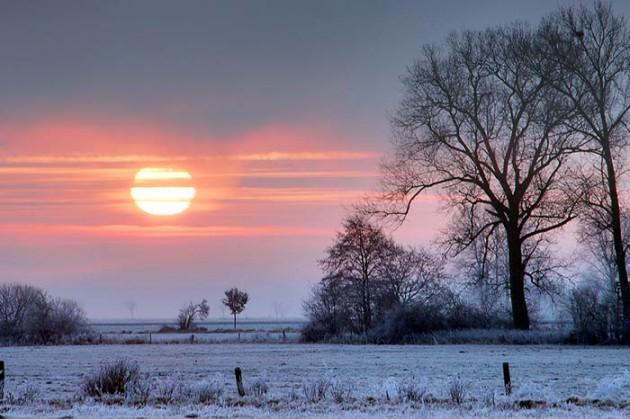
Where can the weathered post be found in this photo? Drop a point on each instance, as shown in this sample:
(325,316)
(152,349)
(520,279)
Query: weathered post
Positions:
(100,339)
(192,338)
(1,381)
(506,378)
(150,338)
(239,381)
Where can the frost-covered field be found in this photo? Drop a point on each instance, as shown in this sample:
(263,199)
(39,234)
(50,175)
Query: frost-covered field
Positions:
(372,380)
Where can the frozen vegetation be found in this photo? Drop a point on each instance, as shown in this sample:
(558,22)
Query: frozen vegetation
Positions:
(320,381)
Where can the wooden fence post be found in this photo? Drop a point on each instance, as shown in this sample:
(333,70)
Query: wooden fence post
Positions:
(150,338)
(1,381)
(506,378)
(239,381)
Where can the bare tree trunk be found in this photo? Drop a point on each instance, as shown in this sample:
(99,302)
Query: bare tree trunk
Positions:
(620,254)
(368,307)
(520,317)
(234,320)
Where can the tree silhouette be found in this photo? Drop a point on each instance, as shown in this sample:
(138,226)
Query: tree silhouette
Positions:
(235,300)
(480,124)
(192,312)
(589,53)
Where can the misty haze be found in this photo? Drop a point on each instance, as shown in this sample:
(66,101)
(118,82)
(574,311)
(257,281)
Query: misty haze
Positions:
(327,209)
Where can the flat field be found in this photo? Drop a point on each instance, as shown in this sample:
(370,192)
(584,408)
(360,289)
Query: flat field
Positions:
(371,379)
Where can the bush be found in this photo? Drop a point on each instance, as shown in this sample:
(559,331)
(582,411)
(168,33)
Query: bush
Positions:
(138,392)
(589,312)
(167,392)
(412,392)
(26,395)
(53,320)
(30,316)
(258,388)
(315,391)
(113,378)
(340,392)
(402,323)
(457,390)
(314,331)
(460,315)
(205,392)
(408,323)
(167,329)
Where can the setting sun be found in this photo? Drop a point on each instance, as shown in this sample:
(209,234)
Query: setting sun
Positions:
(162,191)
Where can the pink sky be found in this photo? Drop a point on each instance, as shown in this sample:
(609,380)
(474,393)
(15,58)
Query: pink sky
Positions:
(279,110)
(268,203)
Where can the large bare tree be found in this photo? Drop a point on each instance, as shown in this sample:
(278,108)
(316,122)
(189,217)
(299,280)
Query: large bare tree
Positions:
(589,51)
(480,124)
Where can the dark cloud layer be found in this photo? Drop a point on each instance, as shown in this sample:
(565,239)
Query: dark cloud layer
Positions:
(225,66)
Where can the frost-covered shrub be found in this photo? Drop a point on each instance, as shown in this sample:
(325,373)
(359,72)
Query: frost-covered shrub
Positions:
(316,391)
(340,392)
(138,392)
(258,388)
(203,392)
(167,392)
(590,309)
(406,323)
(488,397)
(529,390)
(412,391)
(112,378)
(457,390)
(25,395)
(460,315)
(402,323)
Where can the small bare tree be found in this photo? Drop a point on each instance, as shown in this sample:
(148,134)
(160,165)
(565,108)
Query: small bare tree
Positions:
(131,306)
(327,307)
(235,300)
(356,256)
(192,312)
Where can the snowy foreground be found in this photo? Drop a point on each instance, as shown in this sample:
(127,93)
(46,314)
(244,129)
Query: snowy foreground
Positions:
(358,381)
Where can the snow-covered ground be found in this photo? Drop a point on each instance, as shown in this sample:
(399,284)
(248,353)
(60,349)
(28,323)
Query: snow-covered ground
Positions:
(371,378)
